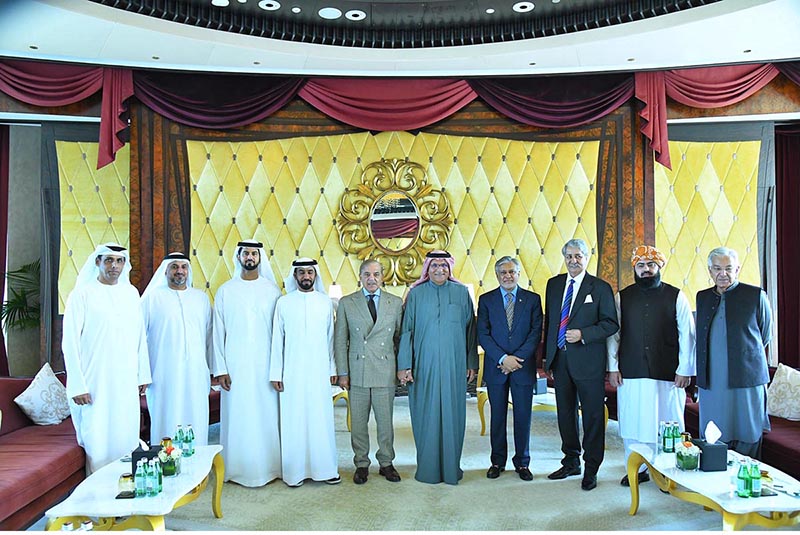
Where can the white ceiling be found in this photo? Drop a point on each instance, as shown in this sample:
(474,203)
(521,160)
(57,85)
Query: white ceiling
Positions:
(730,31)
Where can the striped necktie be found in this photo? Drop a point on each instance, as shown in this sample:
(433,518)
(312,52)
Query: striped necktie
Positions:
(562,327)
(509,309)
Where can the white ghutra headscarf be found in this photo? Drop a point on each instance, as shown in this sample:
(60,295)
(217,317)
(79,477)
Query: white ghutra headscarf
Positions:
(90,270)
(264,269)
(161,279)
(291,284)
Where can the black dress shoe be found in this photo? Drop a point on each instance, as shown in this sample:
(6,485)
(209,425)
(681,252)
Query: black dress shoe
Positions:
(361,475)
(389,473)
(525,473)
(565,471)
(589,482)
(494,472)
(642,477)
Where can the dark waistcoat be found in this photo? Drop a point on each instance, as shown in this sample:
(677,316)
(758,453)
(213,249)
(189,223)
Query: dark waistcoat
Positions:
(649,334)
(747,360)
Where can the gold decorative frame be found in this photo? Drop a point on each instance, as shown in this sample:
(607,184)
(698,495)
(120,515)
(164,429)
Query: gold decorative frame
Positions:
(357,206)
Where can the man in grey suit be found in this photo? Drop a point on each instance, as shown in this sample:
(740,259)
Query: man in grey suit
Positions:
(366,334)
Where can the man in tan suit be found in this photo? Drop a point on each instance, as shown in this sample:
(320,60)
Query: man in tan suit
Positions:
(365,340)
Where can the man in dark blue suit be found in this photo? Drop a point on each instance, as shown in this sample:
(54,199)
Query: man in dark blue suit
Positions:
(509,330)
(581,314)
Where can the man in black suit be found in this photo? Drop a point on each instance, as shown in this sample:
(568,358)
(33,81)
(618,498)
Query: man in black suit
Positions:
(580,315)
(509,329)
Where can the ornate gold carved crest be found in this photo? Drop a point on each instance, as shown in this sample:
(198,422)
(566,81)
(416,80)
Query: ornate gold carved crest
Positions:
(395,217)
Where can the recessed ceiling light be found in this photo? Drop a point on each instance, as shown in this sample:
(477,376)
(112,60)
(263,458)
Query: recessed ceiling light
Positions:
(329,13)
(256,63)
(269,5)
(489,10)
(355,14)
(631,59)
(747,51)
(155,57)
(242,1)
(555,1)
(523,7)
(33,47)
(296,9)
(220,3)
(532,63)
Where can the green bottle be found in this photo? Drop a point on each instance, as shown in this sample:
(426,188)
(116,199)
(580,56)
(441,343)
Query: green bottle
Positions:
(755,479)
(743,481)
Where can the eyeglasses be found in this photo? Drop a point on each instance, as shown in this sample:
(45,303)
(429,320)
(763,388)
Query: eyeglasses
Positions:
(435,265)
(512,272)
(727,269)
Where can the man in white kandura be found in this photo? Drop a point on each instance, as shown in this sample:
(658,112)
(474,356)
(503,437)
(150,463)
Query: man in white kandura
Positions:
(178,322)
(105,354)
(243,309)
(302,370)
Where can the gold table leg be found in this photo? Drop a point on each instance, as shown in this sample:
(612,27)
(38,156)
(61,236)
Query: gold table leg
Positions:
(218,468)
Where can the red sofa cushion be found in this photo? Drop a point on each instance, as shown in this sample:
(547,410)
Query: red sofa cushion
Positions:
(34,460)
(13,417)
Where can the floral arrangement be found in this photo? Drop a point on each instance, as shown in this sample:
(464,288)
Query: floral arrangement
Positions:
(170,453)
(687,455)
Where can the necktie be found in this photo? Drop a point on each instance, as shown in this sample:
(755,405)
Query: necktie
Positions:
(371,306)
(509,309)
(562,327)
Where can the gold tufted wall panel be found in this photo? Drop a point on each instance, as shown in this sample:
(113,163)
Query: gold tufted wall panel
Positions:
(95,207)
(707,200)
(508,197)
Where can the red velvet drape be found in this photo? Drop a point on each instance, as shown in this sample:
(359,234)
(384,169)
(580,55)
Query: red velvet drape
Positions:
(787,185)
(387,104)
(709,87)
(4,154)
(52,84)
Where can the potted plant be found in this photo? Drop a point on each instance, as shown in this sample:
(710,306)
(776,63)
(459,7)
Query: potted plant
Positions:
(22,308)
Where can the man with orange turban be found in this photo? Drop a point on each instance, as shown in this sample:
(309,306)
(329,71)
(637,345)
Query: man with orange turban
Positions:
(651,358)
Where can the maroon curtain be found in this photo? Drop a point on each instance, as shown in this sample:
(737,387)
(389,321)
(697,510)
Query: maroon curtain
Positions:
(4,153)
(394,228)
(715,87)
(53,84)
(791,70)
(787,182)
(556,102)
(710,87)
(387,103)
(214,101)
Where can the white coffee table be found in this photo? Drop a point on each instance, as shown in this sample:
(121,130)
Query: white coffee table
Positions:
(715,491)
(95,499)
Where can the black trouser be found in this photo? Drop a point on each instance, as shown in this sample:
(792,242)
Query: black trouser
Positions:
(591,393)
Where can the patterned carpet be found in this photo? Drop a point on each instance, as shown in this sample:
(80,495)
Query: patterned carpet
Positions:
(477,503)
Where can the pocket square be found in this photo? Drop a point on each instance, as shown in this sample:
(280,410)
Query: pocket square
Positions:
(588,299)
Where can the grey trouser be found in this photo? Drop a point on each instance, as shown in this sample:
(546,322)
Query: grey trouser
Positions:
(381,399)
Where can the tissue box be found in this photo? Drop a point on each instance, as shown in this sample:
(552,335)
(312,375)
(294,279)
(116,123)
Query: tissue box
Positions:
(713,457)
(540,386)
(139,453)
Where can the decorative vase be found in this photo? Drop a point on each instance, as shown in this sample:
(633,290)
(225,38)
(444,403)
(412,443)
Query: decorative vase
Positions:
(172,467)
(687,461)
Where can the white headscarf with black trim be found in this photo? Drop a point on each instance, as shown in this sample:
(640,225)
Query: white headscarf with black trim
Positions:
(90,270)
(290,283)
(161,279)
(264,269)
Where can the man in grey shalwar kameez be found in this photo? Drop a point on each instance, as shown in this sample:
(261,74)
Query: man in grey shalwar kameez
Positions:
(437,358)
(734,325)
